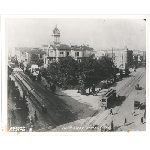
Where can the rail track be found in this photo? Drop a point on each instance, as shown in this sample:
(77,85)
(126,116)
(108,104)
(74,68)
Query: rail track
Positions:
(36,103)
(131,83)
(124,91)
(57,111)
(45,97)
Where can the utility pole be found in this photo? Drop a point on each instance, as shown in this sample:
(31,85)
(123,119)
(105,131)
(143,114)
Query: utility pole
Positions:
(114,74)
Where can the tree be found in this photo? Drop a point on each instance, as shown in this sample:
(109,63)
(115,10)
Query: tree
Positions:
(34,58)
(68,71)
(40,62)
(64,70)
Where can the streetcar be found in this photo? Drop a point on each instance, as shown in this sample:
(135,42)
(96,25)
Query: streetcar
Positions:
(107,99)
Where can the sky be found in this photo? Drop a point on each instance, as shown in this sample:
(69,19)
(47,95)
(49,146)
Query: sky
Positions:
(95,32)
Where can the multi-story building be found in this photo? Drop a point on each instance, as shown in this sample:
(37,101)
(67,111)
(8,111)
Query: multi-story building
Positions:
(99,53)
(57,50)
(139,55)
(52,52)
(24,54)
(79,52)
(21,53)
(122,58)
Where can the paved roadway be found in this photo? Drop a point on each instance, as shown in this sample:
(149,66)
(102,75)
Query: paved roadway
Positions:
(121,110)
(125,109)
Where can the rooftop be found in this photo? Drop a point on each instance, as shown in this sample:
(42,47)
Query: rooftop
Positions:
(87,48)
(36,51)
(81,48)
(63,47)
(30,50)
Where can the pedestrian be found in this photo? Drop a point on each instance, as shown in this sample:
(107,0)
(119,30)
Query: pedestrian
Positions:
(145,114)
(35,117)
(142,120)
(93,89)
(111,111)
(125,121)
(112,126)
(89,90)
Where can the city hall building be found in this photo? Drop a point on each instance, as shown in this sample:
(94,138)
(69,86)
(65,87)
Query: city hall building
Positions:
(57,50)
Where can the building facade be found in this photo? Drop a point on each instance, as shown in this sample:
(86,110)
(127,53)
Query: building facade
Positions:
(24,54)
(139,55)
(122,58)
(57,50)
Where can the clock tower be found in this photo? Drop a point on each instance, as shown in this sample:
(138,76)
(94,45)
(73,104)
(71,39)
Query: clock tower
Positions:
(56,34)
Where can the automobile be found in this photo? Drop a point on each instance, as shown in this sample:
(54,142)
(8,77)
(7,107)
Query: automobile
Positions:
(136,104)
(143,106)
(137,87)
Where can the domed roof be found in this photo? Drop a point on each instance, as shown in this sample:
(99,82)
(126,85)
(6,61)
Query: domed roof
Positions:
(56,31)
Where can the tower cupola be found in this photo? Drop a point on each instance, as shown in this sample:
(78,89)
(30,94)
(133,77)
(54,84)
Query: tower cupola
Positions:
(56,34)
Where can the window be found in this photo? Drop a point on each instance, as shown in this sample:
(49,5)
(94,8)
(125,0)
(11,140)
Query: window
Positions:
(76,53)
(67,53)
(61,52)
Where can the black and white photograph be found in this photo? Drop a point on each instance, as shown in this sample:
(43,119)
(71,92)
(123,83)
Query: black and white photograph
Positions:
(76,74)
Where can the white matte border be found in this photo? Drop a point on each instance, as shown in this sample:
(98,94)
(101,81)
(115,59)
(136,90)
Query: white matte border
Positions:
(4,74)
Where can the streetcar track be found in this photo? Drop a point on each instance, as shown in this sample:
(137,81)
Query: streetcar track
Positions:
(128,83)
(138,76)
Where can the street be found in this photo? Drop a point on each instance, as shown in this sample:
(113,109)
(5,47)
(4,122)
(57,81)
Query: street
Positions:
(121,110)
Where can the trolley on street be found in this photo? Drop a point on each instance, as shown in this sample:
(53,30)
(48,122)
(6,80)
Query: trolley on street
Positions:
(108,98)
